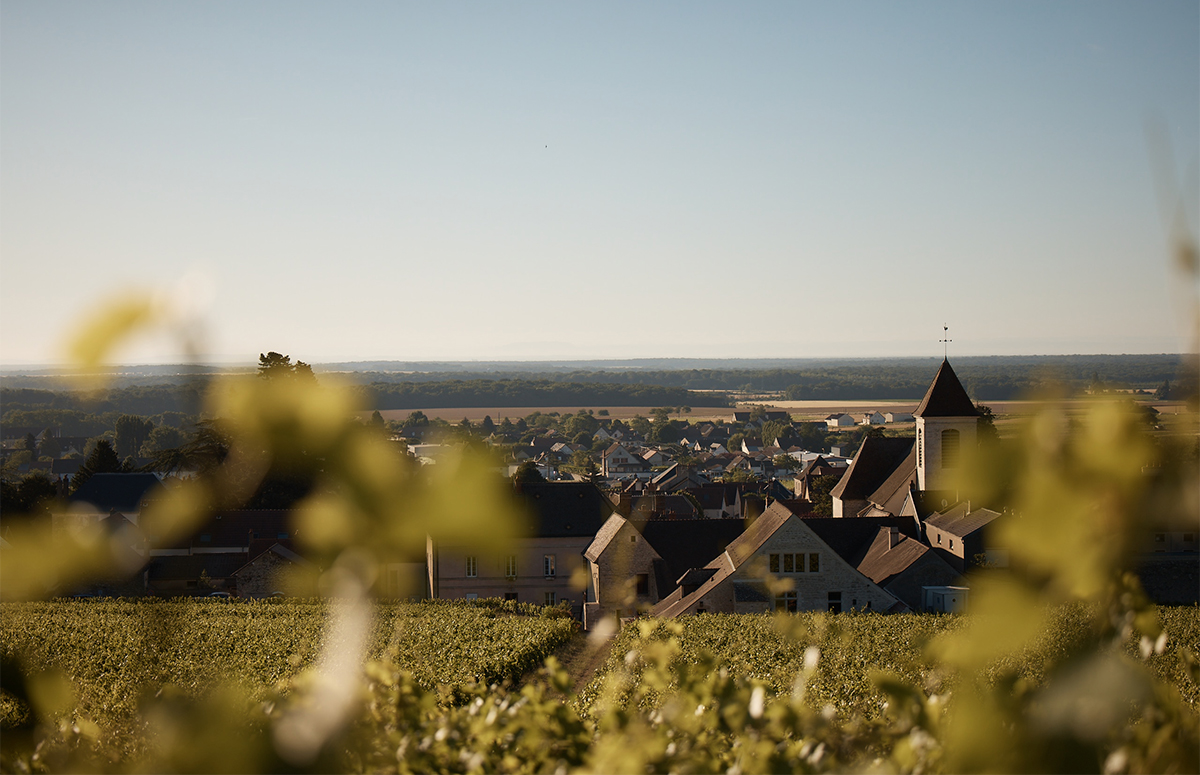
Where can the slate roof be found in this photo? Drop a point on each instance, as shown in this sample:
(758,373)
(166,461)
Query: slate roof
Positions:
(565,509)
(946,397)
(851,538)
(117,492)
(882,562)
(876,461)
(604,536)
(187,567)
(890,495)
(235,529)
(684,544)
(961,522)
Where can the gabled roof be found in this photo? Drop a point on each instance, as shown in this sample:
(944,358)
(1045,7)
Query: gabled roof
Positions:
(608,531)
(119,492)
(566,509)
(890,495)
(877,459)
(960,521)
(688,543)
(884,561)
(850,538)
(946,397)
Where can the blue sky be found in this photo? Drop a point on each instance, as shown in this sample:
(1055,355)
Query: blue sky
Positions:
(544,180)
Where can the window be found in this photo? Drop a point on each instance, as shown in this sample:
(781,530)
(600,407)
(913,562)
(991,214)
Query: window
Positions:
(790,563)
(548,567)
(835,602)
(920,448)
(814,562)
(1158,538)
(510,566)
(1189,537)
(472,566)
(951,544)
(939,539)
(472,596)
(643,583)
(633,539)
(551,598)
(510,596)
(785,601)
(949,448)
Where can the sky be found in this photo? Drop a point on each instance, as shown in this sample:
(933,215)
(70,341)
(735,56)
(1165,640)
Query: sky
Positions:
(526,180)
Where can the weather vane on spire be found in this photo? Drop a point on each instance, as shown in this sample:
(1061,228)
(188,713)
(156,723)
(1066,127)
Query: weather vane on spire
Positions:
(946,341)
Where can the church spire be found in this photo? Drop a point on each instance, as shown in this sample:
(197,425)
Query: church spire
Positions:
(946,397)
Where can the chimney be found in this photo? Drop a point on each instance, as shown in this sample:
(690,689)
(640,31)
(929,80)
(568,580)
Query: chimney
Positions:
(893,537)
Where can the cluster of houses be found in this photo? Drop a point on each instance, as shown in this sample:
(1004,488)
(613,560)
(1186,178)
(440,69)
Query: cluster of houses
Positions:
(654,536)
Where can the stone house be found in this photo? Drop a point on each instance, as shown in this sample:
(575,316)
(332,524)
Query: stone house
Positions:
(538,568)
(754,573)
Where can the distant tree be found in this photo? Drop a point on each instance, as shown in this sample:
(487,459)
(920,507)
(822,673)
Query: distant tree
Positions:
(377,419)
(528,473)
(272,365)
(26,496)
(602,412)
(986,425)
(131,433)
(785,462)
(662,414)
(416,420)
(738,475)
(819,488)
(102,460)
(735,442)
(50,447)
(161,439)
(487,426)
(29,442)
(582,463)
(773,430)
(640,425)
(1164,391)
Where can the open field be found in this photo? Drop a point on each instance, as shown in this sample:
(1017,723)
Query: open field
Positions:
(498,413)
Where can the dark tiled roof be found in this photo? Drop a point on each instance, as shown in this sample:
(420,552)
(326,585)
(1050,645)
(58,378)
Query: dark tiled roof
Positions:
(890,495)
(66,466)
(566,509)
(688,543)
(877,459)
(120,492)
(236,528)
(961,522)
(187,567)
(608,531)
(850,538)
(883,562)
(946,397)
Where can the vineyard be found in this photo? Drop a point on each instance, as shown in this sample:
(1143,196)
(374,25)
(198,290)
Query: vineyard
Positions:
(117,652)
(854,648)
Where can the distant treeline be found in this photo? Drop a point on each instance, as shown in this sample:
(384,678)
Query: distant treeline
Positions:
(986,379)
(531,393)
(187,397)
